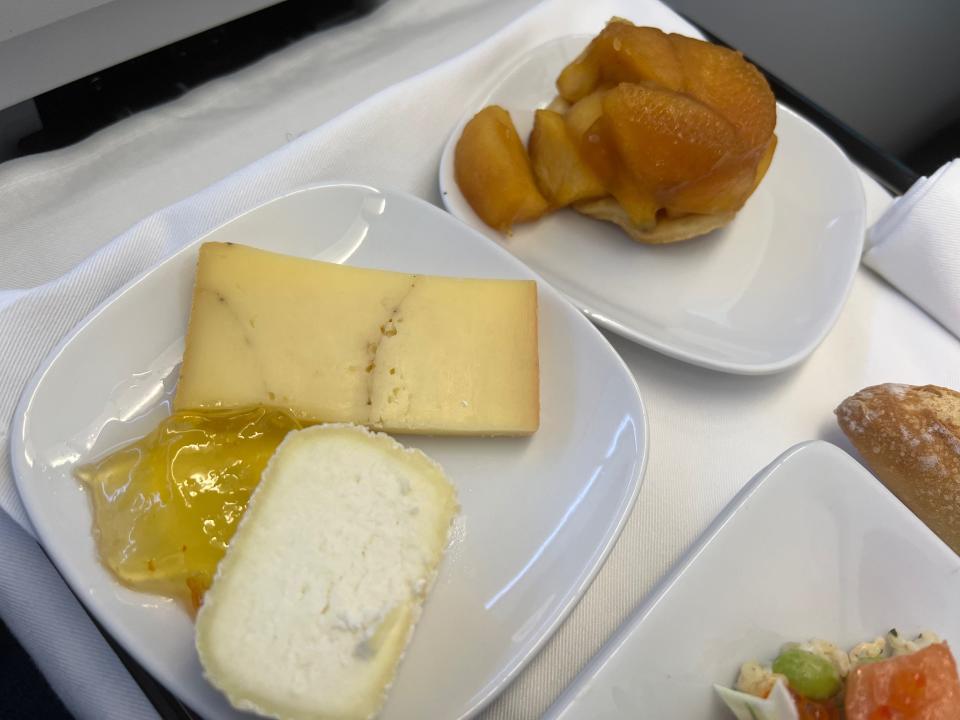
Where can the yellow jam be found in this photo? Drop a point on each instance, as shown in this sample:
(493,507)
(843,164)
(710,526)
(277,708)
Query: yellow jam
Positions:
(166,506)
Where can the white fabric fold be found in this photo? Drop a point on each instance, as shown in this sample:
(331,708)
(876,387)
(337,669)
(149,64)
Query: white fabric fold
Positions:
(915,245)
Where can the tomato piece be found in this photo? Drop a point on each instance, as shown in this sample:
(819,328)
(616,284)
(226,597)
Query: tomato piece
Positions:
(920,686)
(808,709)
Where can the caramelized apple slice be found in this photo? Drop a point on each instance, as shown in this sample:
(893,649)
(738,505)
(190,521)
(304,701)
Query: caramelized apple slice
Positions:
(561,174)
(640,203)
(666,138)
(622,52)
(765,161)
(636,198)
(584,113)
(722,79)
(724,189)
(493,171)
(580,77)
(627,53)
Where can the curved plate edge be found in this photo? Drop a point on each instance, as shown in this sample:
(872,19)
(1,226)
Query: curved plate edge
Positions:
(599,318)
(17,443)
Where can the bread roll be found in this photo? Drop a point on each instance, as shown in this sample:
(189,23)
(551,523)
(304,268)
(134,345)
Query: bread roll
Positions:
(317,596)
(910,438)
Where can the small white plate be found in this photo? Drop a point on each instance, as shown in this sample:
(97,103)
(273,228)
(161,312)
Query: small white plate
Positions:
(539,514)
(813,547)
(755,297)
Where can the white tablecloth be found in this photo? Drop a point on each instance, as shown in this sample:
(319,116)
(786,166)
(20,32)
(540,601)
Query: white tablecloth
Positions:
(709,432)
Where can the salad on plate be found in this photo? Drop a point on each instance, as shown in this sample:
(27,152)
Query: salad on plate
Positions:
(891,677)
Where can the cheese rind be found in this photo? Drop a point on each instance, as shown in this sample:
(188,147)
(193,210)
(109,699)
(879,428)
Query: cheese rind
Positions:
(318,594)
(333,343)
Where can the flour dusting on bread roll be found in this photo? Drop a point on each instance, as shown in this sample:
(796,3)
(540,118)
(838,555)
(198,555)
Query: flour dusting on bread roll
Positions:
(317,596)
(910,438)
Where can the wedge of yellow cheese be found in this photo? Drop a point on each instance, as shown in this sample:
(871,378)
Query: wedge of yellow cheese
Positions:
(334,343)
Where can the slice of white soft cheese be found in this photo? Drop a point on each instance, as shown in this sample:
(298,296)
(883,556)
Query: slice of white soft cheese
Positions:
(317,595)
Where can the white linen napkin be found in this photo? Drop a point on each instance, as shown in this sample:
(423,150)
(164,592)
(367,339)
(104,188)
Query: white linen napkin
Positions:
(915,245)
(56,632)
(394,139)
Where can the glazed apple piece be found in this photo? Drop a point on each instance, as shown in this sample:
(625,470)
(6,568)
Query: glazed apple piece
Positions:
(627,53)
(584,113)
(722,79)
(622,52)
(726,188)
(722,190)
(579,78)
(562,175)
(587,127)
(493,171)
(666,138)
(640,203)
(765,161)
(634,195)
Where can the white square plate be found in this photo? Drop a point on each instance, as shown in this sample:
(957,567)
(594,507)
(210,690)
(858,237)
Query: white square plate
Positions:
(754,297)
(813,547)
(539,514)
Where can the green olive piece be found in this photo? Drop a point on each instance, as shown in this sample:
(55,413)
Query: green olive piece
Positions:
(808,674)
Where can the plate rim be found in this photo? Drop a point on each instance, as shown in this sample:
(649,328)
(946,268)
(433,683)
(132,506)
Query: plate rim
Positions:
(77,585)
(622,634)
(692,357)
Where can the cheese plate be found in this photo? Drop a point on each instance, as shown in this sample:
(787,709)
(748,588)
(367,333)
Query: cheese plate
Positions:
(539,514)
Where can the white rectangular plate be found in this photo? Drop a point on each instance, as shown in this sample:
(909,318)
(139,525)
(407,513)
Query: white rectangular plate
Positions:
(813,547)
(539,514)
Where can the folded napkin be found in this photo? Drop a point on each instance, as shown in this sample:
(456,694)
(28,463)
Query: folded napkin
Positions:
(915,245)
(393,139)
